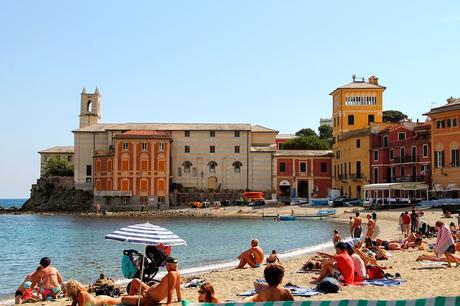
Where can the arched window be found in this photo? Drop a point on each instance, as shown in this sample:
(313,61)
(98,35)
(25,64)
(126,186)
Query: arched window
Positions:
(187,165)
(212,166)
(237,166)
(89,106)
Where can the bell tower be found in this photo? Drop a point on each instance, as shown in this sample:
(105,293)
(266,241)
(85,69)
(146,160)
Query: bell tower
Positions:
(89,108)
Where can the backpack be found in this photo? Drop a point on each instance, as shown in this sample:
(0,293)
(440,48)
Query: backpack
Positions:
(328,285)
(128,268)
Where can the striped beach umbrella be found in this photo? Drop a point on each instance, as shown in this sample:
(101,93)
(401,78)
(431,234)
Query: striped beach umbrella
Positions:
(146,234)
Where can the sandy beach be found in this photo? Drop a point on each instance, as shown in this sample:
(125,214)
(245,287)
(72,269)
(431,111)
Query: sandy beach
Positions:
(423,280)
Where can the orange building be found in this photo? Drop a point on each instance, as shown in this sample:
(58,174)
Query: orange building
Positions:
(445,141)
(135,170)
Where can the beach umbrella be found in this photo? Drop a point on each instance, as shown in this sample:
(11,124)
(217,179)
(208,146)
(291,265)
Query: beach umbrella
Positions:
(146,234)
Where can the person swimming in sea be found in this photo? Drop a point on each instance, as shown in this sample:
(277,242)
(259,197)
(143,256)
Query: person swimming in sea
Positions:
(80,296)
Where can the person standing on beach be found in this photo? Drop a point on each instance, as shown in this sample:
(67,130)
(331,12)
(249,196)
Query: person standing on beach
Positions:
(374,216)
(357,229)
(406,223)
(51,280)
(158,292)
(413,221)
(273,275)
(350,226)
(335,237)
(253,257)
(370,226)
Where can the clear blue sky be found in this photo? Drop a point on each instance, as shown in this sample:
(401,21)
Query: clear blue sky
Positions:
(272,63)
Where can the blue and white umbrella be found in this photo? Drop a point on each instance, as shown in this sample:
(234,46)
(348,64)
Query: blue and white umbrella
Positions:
(146,234)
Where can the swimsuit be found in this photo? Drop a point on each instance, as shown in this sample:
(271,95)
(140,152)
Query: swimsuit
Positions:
(257,265)
(46,292)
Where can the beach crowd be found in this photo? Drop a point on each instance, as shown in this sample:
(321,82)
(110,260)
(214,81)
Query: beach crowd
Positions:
(355,261)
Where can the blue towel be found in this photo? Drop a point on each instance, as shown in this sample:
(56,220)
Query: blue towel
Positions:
(384,282)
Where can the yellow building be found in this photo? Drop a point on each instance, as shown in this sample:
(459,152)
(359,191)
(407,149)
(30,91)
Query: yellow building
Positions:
(445,147)
(356,110)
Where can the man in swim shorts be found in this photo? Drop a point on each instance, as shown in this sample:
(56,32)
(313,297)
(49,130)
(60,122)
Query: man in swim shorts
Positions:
(253,257)
(51,280)
(339,266)
(158,292)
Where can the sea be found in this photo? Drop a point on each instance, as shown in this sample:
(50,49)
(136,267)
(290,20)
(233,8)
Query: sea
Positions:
(77,248)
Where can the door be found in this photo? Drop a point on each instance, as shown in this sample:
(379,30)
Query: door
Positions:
(302,189)
(212,183)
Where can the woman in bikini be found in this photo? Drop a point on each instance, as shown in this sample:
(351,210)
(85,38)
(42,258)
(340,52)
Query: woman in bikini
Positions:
(80,296)
(51,280)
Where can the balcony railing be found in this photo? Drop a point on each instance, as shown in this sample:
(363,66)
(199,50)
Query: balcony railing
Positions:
(398,179)
(113,193)
(356,176)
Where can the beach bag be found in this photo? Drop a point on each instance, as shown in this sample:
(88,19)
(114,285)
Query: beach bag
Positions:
(128,268)
(374,272)
(328,285)
(108,290)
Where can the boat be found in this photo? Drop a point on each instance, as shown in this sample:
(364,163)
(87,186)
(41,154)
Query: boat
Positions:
(319,201)
(298,201)
(326,212)
(287,218)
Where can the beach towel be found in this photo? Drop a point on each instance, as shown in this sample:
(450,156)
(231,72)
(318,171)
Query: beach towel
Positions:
(387,282)
(444,240)
(295,290)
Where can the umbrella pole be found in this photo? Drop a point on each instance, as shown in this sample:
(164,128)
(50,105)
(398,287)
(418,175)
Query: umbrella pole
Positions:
(142,275)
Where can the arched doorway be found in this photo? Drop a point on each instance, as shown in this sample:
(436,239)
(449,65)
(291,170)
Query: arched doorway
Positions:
(302,189)
(212,182)
(285,188)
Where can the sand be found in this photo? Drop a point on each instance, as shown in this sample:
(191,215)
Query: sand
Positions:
(422,280)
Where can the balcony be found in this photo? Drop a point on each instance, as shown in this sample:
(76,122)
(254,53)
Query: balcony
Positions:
(399,179)
(405,159)
(356,176)
(112,193)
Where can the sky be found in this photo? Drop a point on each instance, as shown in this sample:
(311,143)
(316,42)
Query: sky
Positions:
(271,63)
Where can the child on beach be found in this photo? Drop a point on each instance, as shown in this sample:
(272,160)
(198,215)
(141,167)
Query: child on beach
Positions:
(273,257)
(335,237)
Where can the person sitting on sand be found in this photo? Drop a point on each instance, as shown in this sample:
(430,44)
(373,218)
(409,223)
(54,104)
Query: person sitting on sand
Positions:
(206,294)
(273,275)
(369,260)
(335,237)
(360,268)
(339,266)
(29,281)
(273,257)
(158,292)
(79,295)
(51,280)
(445,243)
(253,257)
(370,226)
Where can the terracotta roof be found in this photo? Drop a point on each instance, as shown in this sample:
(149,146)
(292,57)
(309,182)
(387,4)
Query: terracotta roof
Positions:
(452,104)
(58,150)
(359,85)
(260,128)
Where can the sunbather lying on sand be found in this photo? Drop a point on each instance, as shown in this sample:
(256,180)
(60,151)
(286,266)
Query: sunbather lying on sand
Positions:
(80,296)
(442,259)
(273,274)
(369,260)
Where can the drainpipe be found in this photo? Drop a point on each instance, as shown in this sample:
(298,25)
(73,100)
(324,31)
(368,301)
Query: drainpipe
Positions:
(247,159)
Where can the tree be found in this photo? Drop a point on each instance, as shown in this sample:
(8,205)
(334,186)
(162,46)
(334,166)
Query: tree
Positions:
(58,167)
(393,116)
(306,132)
(325,131)
(306,143)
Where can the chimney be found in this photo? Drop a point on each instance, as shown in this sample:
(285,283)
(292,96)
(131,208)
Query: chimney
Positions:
(374,80)
(353,77)
(451,100)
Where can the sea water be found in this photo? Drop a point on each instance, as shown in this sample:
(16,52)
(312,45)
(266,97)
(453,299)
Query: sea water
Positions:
(77,247)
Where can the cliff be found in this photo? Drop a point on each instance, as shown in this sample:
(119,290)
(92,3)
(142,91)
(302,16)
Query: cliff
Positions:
(57,194)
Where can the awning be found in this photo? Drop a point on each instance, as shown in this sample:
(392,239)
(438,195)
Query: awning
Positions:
(396,186)
(452,187)
(285,183)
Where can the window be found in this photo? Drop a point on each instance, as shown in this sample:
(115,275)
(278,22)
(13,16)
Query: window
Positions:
(401,135)
(351,119)
(358,143)
(212,149)
(440,124)
(425,150)
(392,173)
(358,169)
(385,141)
(144,164)
(392,154)
(282,167)
(212,166)
(237,167)
(452,122)
(194,172)
(370,119)
(376,175)
(144,185)
(402,172)
(187,166)
(212,133)
(402,152)
(376,155)
(179,171)
(161,165)
(187,133)
(89,170)
(439,159)
(161,200)
(144,146)
(237,149)
(143,200)
(323,167)
(124,200)
(454,158)
(425,170)
(303,167)
(161,146)
(187,149)
(69,158)
(414,153)
(124,165)
(125,146)
(237,133)
(337,154)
